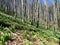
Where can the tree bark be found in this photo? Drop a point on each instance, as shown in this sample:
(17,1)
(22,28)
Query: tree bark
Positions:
(22,13)
(46,14)
(55,16)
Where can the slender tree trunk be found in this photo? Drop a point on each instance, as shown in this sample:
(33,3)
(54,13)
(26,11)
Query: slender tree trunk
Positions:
(15,8)
(7,6)
(16,12)
(46,14)
(32,22)
(40,13)
(25,10)
(37,13)
(38,18)
(22,13)
(28,11)
(55,16)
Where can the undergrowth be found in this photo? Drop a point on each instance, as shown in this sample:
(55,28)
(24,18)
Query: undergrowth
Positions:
(30,33)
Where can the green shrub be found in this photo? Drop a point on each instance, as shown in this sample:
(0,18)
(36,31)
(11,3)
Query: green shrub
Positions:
(4,37)
(0,42)
(33,38)
(12,28)
(1,28)
(28,42)
(25,34)
(32,33)
(55,39)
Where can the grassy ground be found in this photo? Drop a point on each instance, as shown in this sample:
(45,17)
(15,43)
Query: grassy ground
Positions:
(15,32)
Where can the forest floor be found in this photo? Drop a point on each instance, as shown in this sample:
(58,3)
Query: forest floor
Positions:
(15,32)
(18,39)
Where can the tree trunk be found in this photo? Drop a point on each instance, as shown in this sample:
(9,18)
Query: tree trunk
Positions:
(55,16)
(46,14)
(22,13)
(33,12)
(27,10)
(37,13)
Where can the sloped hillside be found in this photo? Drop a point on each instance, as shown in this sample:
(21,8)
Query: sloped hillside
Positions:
(15,32)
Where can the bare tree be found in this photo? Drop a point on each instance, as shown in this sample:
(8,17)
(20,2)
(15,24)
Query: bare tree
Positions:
(15,8)
(38,18)
(55,15)
(37,13)
(46,14)
(40,11)
(27,9)
(22,13)
(33,5)
(7,6)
